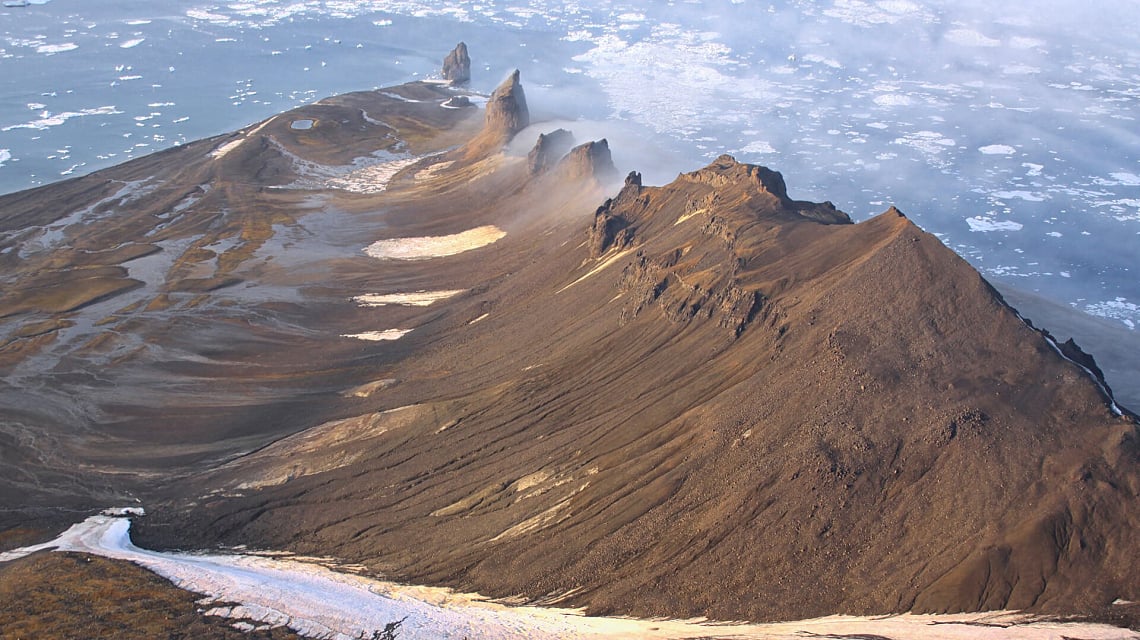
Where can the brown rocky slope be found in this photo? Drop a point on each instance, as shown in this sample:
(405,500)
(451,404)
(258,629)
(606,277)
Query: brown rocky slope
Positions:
(702,398)
(713,400)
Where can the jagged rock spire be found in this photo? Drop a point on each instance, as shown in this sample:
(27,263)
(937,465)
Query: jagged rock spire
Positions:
(548,150)
(457,65)
(507,113)
(589,160)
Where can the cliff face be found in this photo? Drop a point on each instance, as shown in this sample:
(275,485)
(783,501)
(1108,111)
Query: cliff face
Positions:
(507,112)
(548,150)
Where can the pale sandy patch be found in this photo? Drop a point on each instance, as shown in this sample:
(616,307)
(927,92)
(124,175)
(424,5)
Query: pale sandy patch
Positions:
(377,336)
(369,388)
(425,247)
(411,299)
(430,172)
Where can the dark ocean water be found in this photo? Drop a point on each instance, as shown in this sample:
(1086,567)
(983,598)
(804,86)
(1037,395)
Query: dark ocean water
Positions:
(1010,131)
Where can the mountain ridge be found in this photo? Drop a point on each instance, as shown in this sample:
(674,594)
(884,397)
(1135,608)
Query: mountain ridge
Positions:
(697,399)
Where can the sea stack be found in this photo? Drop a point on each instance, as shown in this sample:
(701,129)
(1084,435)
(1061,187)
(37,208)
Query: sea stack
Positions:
(507,113)
(457,65)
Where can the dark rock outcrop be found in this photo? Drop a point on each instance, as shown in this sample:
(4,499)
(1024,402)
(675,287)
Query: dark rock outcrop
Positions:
(457,65)
(548,150)
(507,113)
(458,102)
(589,160)
(611,228)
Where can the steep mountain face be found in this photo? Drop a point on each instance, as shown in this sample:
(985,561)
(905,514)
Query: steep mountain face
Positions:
(457,366)
(710,400)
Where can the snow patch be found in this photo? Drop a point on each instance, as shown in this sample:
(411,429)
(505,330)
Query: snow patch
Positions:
(421,248)
(378,336)
(414,299)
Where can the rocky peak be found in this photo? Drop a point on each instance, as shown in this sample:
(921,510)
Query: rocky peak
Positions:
(457,65)
(507,113)
(589,160)
(765,187)
(548,150)
(611,227)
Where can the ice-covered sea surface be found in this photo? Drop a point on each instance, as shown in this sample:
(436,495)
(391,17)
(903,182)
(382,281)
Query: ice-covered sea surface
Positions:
(1009,129)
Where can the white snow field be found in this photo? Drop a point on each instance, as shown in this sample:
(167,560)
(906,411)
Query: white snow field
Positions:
(426,247)
(317,601)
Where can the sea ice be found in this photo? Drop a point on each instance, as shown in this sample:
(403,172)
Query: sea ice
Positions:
(985,223)
(997,150)
(56,48)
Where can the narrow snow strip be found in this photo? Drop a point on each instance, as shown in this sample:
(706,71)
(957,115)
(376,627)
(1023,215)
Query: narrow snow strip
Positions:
(377,336)
(605,263)
(688,215)
(415,299)
(1056,347)
(316,601)
(422,248)
(221,151)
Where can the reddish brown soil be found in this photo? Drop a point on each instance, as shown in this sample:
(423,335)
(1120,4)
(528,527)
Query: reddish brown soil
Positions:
(76,596)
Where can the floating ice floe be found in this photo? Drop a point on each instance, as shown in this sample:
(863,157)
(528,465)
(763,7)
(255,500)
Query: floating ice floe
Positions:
(1018,194)
(1119,179)
(985,223)
(5,155)
(56,48)
(421,248)
(129,44)
(1119,309)
(48,119)
(378,336)
(970,38)
(757,146)
(997,150)
(413,299)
